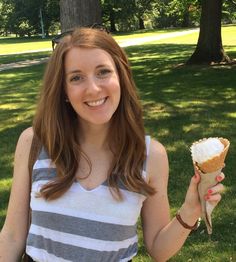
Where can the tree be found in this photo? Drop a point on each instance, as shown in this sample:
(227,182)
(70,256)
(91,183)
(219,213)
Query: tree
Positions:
(22,16)
(79,12)
(209,46)
(143,7)
(109,13)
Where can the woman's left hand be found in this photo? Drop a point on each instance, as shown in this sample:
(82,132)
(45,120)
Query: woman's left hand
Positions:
(213,195)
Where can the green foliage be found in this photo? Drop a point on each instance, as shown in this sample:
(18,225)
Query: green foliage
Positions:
(176,13)
(22,16)
(229,11)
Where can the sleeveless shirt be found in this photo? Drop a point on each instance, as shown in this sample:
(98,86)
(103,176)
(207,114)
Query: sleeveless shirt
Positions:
(82,225)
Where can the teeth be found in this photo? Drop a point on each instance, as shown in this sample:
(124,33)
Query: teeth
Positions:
(96,103)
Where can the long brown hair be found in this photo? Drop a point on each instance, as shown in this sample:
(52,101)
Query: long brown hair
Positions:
(56,125)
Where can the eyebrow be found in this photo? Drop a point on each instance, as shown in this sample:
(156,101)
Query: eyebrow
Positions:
(79,71)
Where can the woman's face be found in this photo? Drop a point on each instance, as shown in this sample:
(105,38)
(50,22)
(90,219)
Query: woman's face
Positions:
(92,85)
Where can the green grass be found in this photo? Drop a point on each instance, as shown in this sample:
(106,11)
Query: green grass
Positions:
(181,104)
(10,45)
(6,59)
(15,45)
(18,94)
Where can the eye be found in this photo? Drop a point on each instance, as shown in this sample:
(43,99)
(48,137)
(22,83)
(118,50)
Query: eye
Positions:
(104,72)
(75,78)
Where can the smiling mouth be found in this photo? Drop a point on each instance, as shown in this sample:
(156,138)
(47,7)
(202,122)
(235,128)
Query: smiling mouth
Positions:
(97,102)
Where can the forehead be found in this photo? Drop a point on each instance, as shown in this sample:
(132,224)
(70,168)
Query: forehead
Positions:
(87,57)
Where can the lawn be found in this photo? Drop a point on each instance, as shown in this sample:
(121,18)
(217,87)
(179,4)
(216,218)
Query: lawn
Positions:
(181,104)
(10,45)
(13,58)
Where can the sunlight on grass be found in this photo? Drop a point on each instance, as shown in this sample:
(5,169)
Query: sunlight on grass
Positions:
(232,115)
(120,37)
(187,39)
(9,106)
(5,184)
(188,128)
(27,45)
(229,35)
(157,112)
(176,145)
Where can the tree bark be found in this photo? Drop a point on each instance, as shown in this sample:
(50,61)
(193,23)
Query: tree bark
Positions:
(141,23)
(112,20)
(186,18)
(209,47)
(75,13)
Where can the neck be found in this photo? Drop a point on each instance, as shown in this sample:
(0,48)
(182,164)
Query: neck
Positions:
(94,137)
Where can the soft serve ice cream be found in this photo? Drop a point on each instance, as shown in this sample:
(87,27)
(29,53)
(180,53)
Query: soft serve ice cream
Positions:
(206,149)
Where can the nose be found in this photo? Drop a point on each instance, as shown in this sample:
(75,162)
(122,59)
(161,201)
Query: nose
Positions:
(93,85)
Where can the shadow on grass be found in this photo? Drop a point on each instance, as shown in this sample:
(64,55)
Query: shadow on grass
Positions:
(183,104)
(18,94)
(13,58)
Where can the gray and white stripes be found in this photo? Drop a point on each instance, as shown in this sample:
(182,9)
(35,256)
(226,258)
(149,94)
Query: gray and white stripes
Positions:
(81,225)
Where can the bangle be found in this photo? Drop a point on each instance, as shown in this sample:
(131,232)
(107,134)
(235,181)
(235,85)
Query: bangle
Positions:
(179,218)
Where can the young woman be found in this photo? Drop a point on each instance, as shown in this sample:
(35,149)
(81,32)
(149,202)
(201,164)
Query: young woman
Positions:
(96,171)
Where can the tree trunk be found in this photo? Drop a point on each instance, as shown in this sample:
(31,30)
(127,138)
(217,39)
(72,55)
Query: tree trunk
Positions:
(112,20)
(79,13)
(141,23)
(209,47)
(186,18)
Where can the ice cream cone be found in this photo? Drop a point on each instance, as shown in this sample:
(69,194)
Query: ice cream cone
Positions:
(208,171)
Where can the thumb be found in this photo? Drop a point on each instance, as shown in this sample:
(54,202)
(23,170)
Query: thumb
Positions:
(194,182)
(192,196)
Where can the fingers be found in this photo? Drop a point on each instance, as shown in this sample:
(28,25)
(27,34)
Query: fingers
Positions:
(213,193)
(196,178)
(213,198)
(220,177)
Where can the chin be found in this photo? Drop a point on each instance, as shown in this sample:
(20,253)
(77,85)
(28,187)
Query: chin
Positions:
(99,122)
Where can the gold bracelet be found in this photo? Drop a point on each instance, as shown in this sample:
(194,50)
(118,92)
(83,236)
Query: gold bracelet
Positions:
(194,227)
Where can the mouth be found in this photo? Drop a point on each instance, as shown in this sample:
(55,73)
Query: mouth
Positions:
(96,102)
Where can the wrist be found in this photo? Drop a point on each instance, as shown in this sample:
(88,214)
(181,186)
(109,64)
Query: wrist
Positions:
(188,215)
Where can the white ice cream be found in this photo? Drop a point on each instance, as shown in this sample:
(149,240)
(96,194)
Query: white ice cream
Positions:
(206,149)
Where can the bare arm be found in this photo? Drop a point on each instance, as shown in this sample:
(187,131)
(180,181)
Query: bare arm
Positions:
(164,237)
(14,232)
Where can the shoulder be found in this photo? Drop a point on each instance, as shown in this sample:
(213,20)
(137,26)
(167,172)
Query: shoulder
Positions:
(157,164)
(27,135)
(156,149)
(25,141)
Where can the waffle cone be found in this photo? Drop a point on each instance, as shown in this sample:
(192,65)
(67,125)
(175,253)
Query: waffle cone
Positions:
(207,180)
(208,171)
(217,162)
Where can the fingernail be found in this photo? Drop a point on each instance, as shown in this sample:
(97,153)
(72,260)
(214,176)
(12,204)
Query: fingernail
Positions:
(209,191)
(219,178)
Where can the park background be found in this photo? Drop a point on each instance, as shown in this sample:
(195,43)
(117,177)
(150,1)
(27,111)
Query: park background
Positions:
(182,103)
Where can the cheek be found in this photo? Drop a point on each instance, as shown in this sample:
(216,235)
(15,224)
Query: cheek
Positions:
(117,92)
(72,92)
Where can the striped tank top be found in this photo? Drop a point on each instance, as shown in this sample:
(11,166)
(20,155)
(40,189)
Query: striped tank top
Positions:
(82,225)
